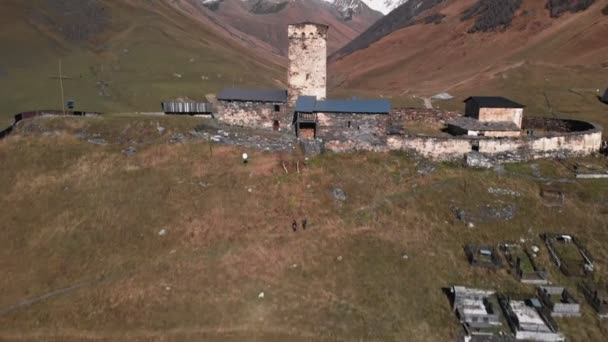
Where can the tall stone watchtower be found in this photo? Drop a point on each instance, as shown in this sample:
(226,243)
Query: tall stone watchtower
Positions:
(307,71)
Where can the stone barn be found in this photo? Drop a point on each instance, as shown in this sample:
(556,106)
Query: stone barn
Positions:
(258,108)
(342,122)
(494,109)
(307,70)
(489,116)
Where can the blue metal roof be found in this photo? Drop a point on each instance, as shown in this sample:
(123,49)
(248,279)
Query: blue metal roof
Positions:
(306,104)
(309,104)
(253,95)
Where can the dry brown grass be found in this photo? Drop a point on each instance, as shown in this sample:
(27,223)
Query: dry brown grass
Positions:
(90,211)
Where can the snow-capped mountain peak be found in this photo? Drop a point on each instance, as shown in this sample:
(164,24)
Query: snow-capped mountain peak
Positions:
(384,6)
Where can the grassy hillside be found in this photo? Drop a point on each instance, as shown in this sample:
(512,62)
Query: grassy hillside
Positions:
(119,56)
(78,212)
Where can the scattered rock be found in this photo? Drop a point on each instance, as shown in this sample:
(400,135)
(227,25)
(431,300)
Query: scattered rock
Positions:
(500,170)
(425,168)
(503,192)
(405,257)
(250,138)
(168,288)
(503,212)
(339,258)
(162,232)
(535,249)
(478,160)
(129,151)
(535,170)
(339,194)
(460,214)
(177,75)
(177,138)
(294,266)
(160,129)
(173,251)
(97,141)
(442,96)
(261,295)
(471,225)
(250,190)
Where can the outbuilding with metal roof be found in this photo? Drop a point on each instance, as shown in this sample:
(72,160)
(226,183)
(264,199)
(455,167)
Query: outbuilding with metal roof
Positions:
(341,119)
(494,109)
(256,108)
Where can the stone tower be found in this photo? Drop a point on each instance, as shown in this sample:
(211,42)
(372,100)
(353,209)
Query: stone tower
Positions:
(307,71)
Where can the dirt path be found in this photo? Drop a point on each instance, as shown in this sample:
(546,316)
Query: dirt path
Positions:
(427,103)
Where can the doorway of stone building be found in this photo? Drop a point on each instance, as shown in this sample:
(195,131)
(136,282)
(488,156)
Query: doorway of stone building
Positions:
(307,130)
(275,125)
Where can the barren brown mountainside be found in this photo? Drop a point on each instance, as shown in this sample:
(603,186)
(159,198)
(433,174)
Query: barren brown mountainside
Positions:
(464,46)
(267,19)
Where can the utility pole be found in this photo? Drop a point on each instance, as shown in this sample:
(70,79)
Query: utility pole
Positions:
(61,87)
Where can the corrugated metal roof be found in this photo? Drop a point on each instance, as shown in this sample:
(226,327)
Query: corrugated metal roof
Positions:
(377,106)
(306,104)
(309,104)
(253,95)
(494,102)
(187,107)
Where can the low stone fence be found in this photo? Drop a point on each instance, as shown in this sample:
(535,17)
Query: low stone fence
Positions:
(32,114)
(438,148)
(571,138)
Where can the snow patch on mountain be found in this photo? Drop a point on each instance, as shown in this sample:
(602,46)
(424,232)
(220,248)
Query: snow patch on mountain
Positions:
(384,6)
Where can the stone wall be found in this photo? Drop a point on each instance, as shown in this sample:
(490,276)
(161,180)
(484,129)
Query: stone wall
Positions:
(307,71)
(569,144)
(432,147)
(347,132)
(556,144)
(253,114)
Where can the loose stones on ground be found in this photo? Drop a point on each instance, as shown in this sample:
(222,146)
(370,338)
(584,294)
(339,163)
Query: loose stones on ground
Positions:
(339,194)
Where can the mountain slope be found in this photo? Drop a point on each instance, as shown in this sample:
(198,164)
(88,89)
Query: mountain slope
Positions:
(401,17)
(267,19)
(127,55)
(569,51)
